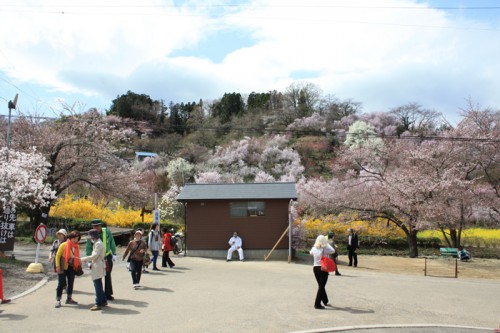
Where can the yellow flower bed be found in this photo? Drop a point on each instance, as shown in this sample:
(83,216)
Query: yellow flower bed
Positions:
(82,208)
(471,237)
(337,224)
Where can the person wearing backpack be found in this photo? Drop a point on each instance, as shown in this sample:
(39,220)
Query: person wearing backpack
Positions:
(167,246)
(154,243)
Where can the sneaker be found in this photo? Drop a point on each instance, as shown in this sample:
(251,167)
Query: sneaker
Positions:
(95,308)
(71,301)
(104,304)
(155,269)
(110,298)
(58,304)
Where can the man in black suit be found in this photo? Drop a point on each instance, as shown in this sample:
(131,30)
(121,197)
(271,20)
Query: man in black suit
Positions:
(352,246)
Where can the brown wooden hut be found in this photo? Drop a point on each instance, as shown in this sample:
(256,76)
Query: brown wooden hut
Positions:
(258,212)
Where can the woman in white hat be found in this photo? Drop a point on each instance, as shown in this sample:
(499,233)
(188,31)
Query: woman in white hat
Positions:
(61,237)
(137,248)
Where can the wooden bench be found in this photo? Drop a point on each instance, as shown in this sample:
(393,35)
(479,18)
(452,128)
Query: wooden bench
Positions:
(449,252)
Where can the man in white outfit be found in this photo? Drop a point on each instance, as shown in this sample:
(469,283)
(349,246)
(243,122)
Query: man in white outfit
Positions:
(235,243)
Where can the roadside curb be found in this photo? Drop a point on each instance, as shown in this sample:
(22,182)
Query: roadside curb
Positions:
(391,327)
(40,284)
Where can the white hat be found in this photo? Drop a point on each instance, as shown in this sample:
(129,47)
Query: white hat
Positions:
(138,231)
(62,231)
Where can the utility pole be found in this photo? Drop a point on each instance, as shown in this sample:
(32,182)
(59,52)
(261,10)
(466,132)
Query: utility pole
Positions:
(11,105)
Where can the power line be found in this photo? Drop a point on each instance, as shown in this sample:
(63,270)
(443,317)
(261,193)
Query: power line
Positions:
(289,131)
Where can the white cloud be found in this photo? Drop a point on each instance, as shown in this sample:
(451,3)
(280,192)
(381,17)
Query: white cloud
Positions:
(382,53)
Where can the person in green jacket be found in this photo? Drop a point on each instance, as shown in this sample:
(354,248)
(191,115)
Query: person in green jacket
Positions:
(110,252)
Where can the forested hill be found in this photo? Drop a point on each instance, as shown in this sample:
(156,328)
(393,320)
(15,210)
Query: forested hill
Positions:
(313,124)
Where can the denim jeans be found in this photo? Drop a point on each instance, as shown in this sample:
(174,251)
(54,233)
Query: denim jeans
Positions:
(66,277)
(99,292)
(155,257)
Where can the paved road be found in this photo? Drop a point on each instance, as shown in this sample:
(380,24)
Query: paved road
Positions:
(205,295)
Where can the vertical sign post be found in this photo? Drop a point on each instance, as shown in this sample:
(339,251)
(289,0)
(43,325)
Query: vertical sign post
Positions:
(40,235)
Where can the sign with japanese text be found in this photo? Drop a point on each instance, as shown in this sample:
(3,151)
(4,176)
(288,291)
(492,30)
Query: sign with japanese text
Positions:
(156,216)
(8,218)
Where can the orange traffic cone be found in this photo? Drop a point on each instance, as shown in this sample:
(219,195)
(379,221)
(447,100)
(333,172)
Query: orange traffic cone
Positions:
(2,300)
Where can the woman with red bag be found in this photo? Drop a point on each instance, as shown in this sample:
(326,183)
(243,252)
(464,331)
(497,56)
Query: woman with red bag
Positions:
(321,249)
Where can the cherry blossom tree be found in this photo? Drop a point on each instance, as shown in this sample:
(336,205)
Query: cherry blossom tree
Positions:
(250,159)
(483,153)
(362,134)
(314,123)
(405,182)
(169,207)
(179,171)
(23,179)
(82,150)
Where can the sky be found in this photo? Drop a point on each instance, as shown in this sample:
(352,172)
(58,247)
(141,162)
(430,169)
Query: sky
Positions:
(381,53)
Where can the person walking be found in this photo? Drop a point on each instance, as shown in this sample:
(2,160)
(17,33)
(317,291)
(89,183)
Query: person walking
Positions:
(154,243)
(61,236)
(110,254)
(235,244)
(335,255)
(67,261)
(320,249)
(352,246)
(137,248)
(145,263)
(167,247)
(98,268)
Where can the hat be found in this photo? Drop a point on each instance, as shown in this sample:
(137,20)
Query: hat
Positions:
(62,231)
(138,231)
(96,222)
(93,233)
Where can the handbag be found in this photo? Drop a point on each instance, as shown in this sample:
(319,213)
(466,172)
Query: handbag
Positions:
(146,260)
(79,271)
(327,264)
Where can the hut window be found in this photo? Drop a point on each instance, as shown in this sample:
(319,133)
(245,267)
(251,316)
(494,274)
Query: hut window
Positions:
(247,208)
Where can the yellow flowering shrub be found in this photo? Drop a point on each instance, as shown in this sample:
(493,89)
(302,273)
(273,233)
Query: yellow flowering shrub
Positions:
(337,224)
(82,208)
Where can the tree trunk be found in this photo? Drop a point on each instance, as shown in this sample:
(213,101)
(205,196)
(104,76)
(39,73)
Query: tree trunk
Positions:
(454,238)
(39,215)
(411,236)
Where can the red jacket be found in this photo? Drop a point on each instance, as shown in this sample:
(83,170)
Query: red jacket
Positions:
(166,242)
